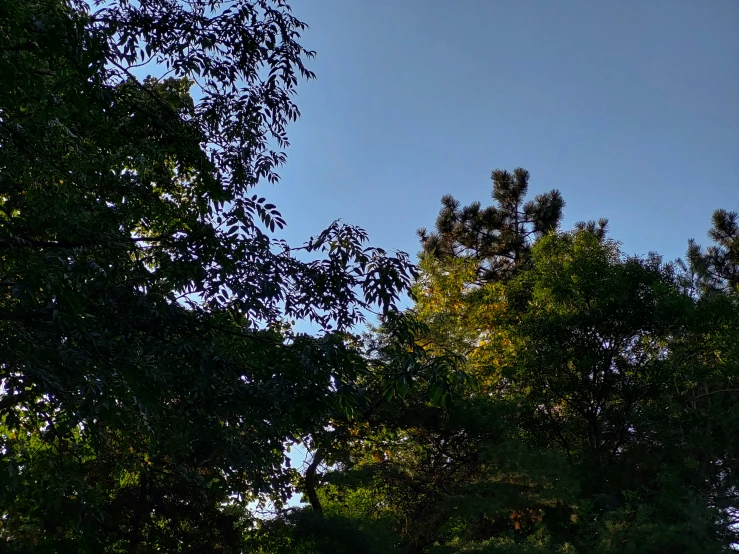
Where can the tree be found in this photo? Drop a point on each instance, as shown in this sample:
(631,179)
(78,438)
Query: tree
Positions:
(601,422)
(717,268)
(498,238)
(150,379)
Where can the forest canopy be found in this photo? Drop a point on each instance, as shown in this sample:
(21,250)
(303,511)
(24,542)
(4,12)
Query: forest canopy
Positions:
(544,392)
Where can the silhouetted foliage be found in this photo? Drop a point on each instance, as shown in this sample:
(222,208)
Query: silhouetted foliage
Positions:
(498,237)
(150,379)
(717,267)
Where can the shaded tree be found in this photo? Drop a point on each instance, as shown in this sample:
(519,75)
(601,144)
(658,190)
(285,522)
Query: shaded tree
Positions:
(150,377)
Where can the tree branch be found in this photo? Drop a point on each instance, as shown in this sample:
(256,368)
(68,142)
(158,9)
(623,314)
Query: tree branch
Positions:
(70,244)
(310,483)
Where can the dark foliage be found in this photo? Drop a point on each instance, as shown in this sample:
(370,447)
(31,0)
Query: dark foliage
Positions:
(498,237)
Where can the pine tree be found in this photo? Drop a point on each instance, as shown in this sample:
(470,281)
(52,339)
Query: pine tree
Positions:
(717,267)
(499,237)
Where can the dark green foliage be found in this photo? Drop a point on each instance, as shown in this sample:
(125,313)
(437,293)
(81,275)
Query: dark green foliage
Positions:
(302,532)
(717,268)
(150,381)
(498,237)
(604,421)
(597,228)
(558,397)
(608,361)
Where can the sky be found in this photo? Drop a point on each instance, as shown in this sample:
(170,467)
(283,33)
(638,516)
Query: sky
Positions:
(629,108)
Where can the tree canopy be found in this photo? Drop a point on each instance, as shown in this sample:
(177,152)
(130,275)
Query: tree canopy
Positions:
(544,393)
(150,379)
(600,417)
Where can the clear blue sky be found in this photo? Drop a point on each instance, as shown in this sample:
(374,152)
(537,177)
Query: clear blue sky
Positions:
(630,108)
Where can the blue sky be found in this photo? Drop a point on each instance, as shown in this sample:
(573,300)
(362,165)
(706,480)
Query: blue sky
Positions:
(630,108)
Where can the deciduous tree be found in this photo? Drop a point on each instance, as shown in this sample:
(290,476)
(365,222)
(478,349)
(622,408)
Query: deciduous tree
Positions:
(150,379)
